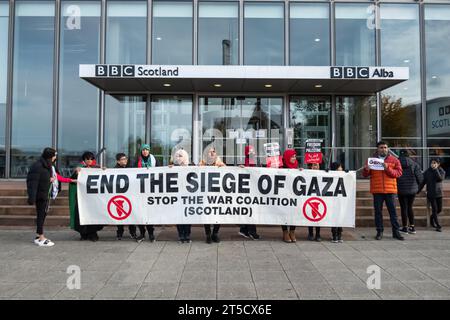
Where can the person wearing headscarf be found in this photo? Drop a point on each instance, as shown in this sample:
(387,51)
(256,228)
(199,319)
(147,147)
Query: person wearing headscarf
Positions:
(212,159)
(146,160)
(181,158)
(87,232)
(289,162)
(249,230)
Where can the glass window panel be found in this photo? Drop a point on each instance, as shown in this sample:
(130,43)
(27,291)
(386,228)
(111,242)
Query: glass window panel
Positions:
(309,34)
(218,36)
(437,47)
(4,14)
(355,34)
(356,133)
(255,120)
(78,100)
(32,83)
(401,104)
(264,34)
(126,32)
(171,127)
(172,33)
(310,118)
(124,127)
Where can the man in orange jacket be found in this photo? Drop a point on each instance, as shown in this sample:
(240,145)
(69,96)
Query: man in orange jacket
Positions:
(383,186)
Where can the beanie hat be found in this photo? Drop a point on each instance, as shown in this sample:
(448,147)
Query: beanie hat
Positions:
(145,147)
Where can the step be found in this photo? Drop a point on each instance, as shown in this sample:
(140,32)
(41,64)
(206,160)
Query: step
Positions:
(418,211)
(57,221)
(23,193)
(31,210)
(23,201)
(417,202)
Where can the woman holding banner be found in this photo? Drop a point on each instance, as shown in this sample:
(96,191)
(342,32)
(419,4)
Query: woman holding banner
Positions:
(181,158)
(212,159)
(289,162)
(87,232)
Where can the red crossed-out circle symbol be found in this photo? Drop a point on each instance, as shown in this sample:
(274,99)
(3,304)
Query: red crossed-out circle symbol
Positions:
(314,209)
(119,208)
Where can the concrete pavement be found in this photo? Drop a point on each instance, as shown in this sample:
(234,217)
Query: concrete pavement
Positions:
(236,268)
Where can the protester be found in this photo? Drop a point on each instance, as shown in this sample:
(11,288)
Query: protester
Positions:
(432,178)
(212,159)
(289,162)
(249,230)
(146,160)
(336,232)
(408,185)
(383,186)
(122,163)
(39,190)
(181,158)
(311,237)
(87,232)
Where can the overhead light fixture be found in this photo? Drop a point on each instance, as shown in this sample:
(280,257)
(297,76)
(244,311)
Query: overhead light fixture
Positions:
(268,85)
(167,85)
(217,85)
(434,77)
(158,38)
(406,61)
(317,39)
(318,86)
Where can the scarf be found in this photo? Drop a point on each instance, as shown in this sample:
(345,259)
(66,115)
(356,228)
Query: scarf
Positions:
(288,154)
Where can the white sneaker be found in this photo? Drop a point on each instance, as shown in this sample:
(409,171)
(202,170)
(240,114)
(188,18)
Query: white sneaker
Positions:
(36,241)
(46,243)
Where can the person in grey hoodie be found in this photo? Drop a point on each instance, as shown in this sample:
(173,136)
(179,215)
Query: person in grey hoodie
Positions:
(408,185)
(433,178)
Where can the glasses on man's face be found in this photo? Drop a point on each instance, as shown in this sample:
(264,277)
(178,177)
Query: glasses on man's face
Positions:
(123,159)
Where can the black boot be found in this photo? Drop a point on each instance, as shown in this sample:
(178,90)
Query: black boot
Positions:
(379,235)
(310,233)
(208,238)
(215,237)
(318,238)
(396,235)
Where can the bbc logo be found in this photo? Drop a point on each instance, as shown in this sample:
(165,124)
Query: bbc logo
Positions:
(114,70)
(444,110)
(349,72)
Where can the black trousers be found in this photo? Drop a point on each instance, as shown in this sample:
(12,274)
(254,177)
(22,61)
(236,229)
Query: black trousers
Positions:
(285,228)
(311,231)
(184,231)
(436,208)
(148,227)
(121,229)
(406,208)
(41,211)
(336,231)
(248,228)
(215,228)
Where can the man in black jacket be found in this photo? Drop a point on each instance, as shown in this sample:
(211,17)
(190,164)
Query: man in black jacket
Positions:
(408,186)
(39,181)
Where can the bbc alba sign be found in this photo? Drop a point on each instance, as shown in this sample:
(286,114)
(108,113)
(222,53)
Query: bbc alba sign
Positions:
(242,72)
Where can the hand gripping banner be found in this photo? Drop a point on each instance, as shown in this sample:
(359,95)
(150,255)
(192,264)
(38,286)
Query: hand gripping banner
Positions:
(211,195)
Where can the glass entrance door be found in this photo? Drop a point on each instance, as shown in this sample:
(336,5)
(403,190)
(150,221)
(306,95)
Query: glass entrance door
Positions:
(231,123)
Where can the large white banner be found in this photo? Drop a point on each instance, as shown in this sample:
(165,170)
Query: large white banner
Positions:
(210,195)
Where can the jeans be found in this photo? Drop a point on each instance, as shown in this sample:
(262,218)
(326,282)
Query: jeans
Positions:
(285,228)
(406,207)
(378,199)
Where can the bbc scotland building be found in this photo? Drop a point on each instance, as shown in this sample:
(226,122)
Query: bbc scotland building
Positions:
(110,75)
